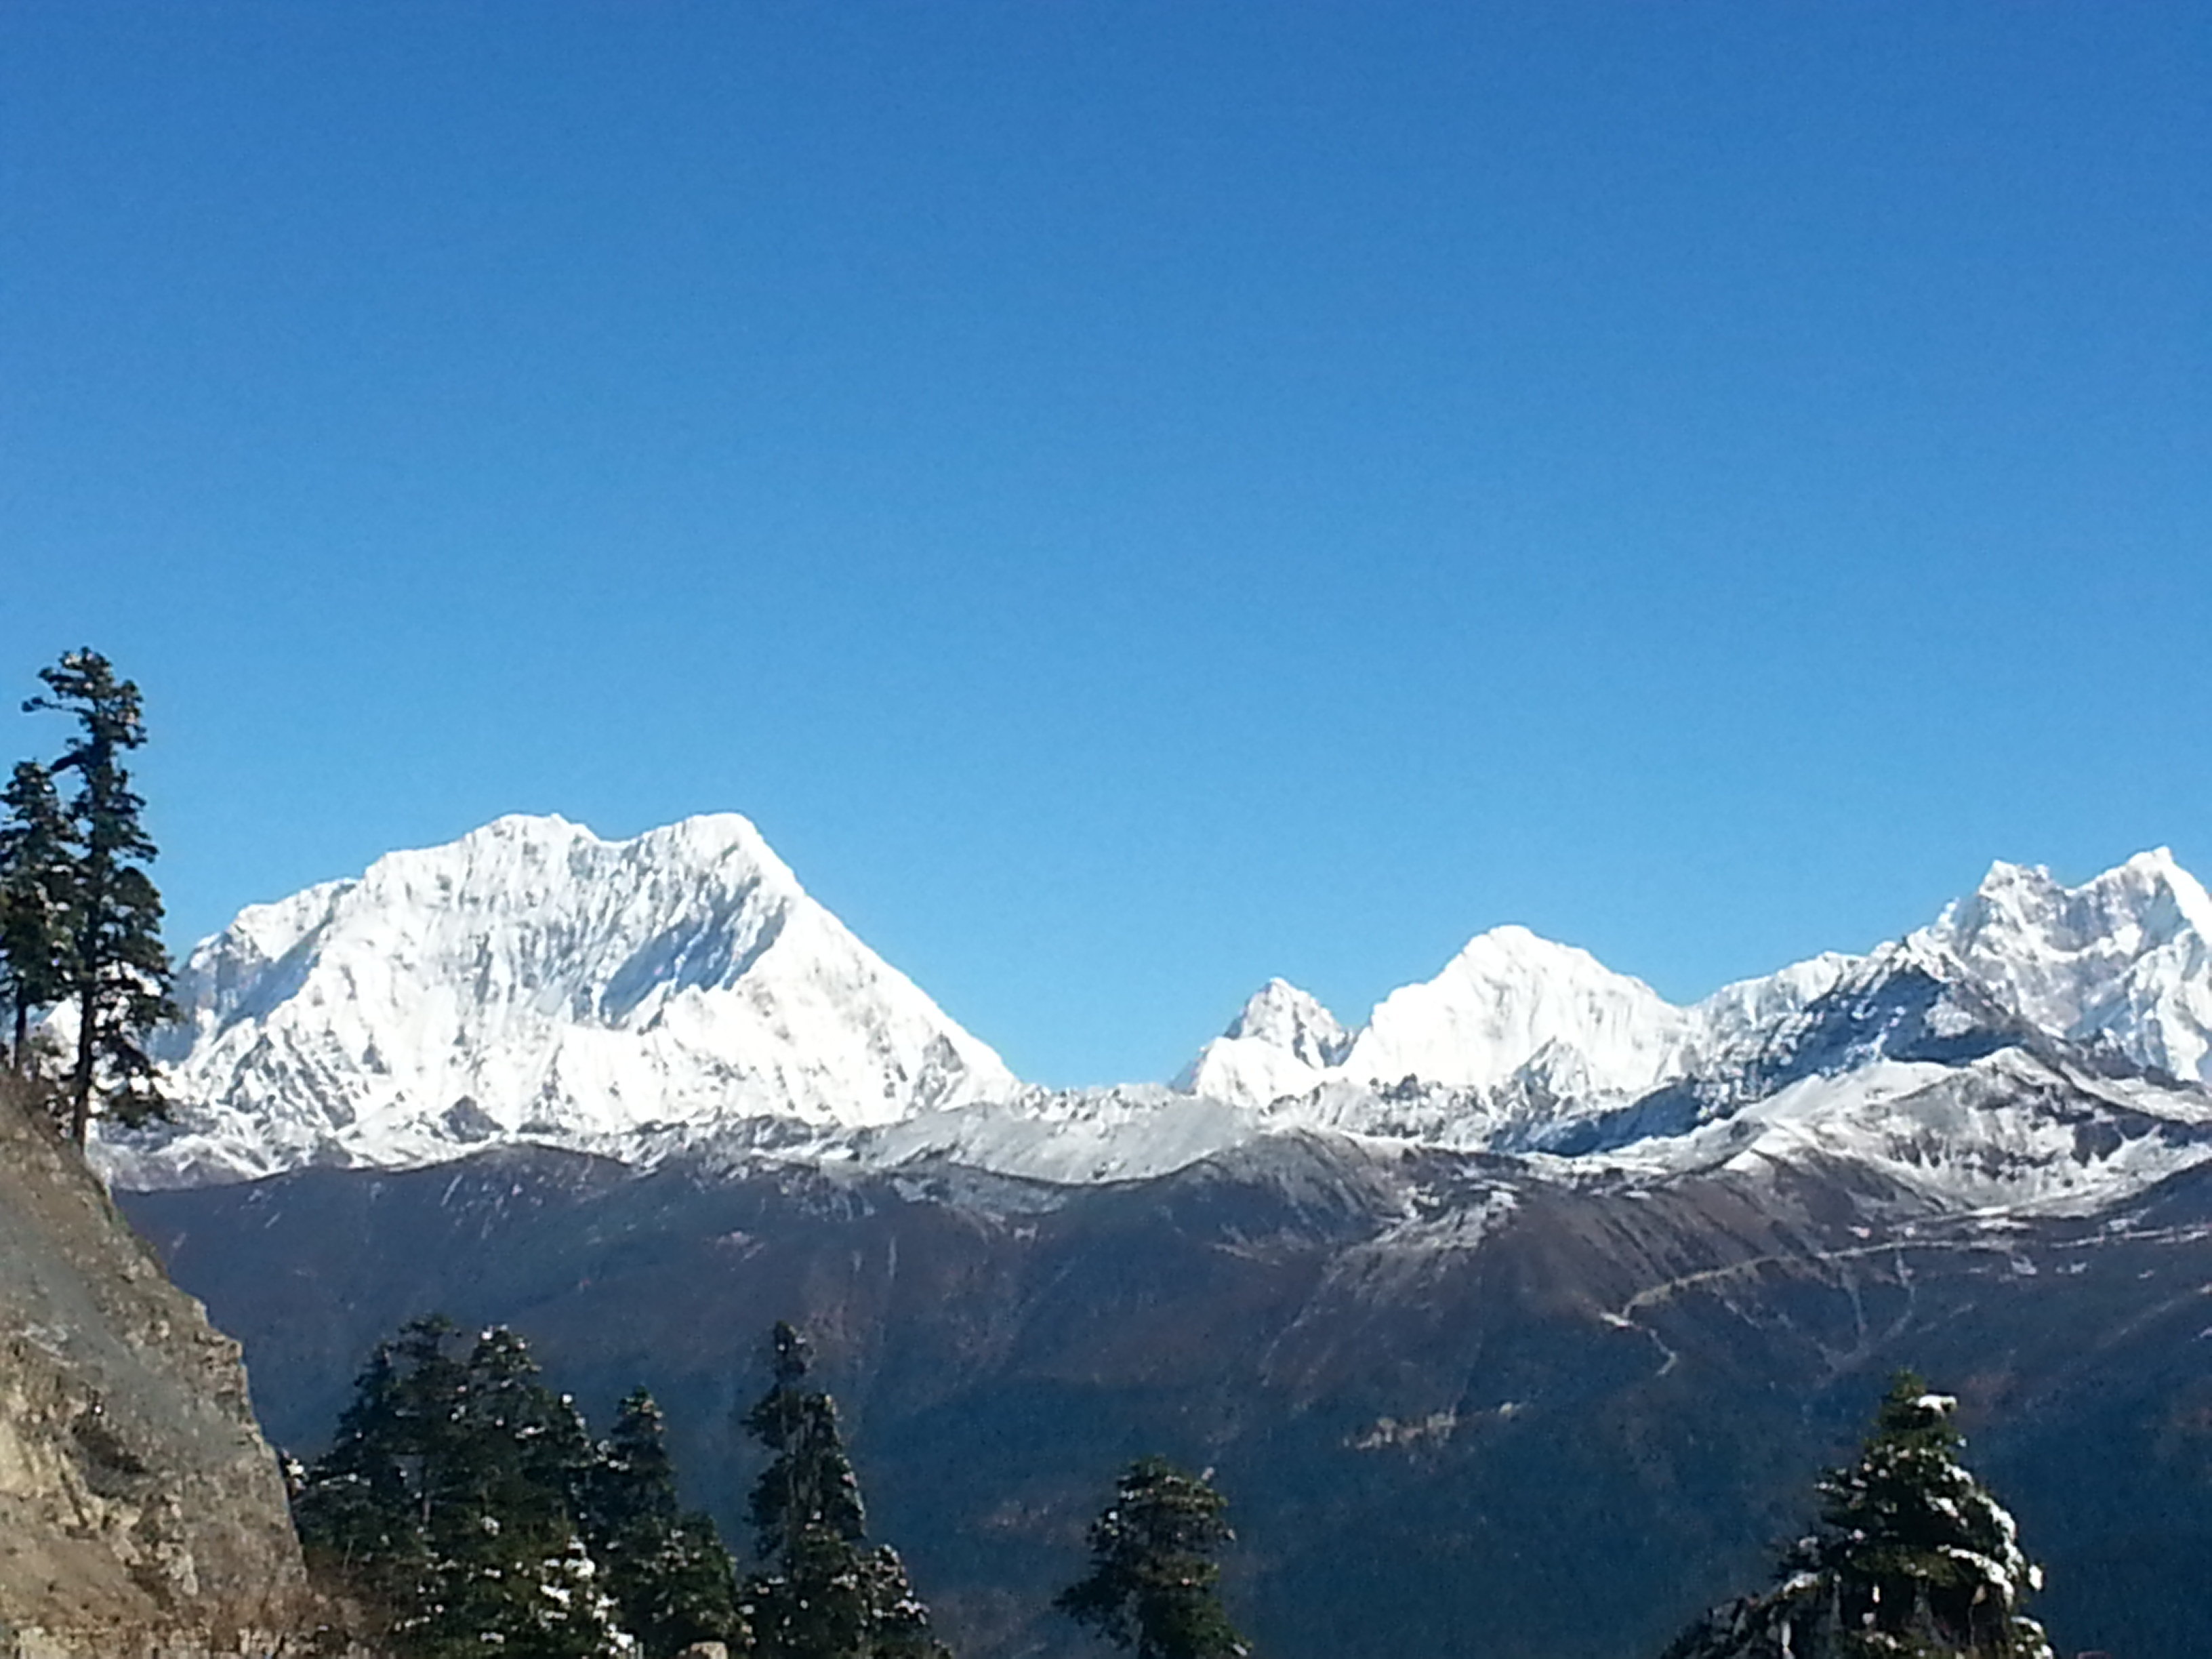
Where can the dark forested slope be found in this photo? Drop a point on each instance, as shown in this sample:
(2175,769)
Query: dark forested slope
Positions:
(1454,1406)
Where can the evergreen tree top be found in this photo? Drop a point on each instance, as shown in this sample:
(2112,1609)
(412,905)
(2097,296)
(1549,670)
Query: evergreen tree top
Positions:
(36,845)
(810,1483)
(111,712)
(462,1497)
(634,1482)
(34,807)
(1153,1583)
(113,966)
(1914,1559)
(1907,1509)
(820,1593)
(111,719)
(638,1428)
(790,1355)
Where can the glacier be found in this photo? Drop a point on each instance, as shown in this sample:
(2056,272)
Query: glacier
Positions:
(679,992)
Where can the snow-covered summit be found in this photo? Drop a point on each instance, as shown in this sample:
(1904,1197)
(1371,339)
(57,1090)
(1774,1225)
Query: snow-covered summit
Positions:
(1281,1014)
(2124,959)
(1524,1028)
(1511,1011)
(533,980)
(1280,1042)
(1511,997)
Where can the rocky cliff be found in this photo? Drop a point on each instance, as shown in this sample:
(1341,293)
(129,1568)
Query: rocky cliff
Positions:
(141,1514)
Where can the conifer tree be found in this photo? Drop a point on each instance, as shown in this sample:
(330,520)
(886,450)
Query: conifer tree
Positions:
(671,1580)
(822,1593)
(1924,1559)
(118,972)
(359,1508)
(512,1563)
(445,1501)
(1153,1583)
(34,891)
(1914,1559)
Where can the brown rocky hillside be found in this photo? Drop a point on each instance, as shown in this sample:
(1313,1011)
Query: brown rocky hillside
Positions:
(141,1514)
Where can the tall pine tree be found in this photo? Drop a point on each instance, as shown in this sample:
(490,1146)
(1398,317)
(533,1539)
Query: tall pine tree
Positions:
(1913,1559)
(117,971)
(445,1502)
(35,878)
(821,1592)
(1153,1583)
(671,1578)
(363,1508)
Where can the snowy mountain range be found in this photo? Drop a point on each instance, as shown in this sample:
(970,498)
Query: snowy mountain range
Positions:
(2036,1044)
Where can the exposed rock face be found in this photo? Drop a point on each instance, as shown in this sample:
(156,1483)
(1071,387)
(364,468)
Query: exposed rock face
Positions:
(142,1515)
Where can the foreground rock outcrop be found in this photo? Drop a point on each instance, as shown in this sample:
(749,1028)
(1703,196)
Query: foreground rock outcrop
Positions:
(141,1514)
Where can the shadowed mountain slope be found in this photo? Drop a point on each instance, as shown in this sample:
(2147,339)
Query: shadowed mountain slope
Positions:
(1455,1406)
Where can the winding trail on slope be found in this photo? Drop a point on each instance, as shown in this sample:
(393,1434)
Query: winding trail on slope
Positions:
(1624,1316)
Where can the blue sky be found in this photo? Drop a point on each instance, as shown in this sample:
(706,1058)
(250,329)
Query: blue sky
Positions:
(1134,498)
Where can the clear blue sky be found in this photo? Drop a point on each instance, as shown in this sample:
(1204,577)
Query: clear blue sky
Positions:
(1136,497)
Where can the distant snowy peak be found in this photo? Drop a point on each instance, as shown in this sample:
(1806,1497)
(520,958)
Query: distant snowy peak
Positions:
(1293,1020)
(1512,1011)
(531,980)
(520,908)
(2122,960)
(1506,999)
(1510,1005)
(1282,1042)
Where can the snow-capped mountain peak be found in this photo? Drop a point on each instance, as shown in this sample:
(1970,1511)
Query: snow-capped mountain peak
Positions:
(2124,959)
(2122,962)
(1281,1042)
(533,980)
(1507,995)
(1508,1001)
(1280,1013)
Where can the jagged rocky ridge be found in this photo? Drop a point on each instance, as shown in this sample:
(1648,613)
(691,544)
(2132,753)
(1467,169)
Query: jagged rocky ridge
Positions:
(679,993)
